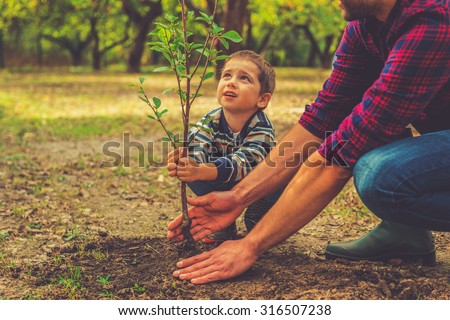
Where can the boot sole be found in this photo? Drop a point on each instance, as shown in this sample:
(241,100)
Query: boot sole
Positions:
(427,259)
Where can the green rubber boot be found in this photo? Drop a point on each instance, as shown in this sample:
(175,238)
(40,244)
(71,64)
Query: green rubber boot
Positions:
(387,241)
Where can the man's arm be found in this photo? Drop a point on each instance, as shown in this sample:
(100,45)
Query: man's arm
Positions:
(217,209)
(279,167)
(312,188)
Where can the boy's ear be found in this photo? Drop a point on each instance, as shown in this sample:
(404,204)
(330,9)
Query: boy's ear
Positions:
(264,100)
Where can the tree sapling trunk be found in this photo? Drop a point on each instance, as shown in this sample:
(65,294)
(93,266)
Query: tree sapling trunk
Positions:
(188,61)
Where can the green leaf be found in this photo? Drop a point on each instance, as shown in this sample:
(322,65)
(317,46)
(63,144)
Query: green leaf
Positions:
(162,25)
(204,15)
(144,99)
(222,57)
(205,52)
(161,69)
(225,43)
(166,139)
(160,114)
(171,17)
(151,117)
(141,91)
(195,46)
(157,102)
(154,32)
(142,80)
(181,69)
(209,75)
(232,36)
(217,30)
(168,91)
(201,19)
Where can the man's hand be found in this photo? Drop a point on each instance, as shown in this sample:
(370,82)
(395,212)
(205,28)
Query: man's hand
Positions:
(212,212)
(229,260)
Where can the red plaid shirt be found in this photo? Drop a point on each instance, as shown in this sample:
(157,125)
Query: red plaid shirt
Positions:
(386,76)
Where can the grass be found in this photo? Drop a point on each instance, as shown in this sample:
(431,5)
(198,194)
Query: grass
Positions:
(72,106)
(72,281)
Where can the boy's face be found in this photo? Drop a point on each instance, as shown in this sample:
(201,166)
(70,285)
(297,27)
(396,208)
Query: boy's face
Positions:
(239,87)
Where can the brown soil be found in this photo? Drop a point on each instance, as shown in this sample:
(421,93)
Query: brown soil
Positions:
(72,230)
(141,268)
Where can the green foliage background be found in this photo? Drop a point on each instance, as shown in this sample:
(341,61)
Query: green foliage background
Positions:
(27,26)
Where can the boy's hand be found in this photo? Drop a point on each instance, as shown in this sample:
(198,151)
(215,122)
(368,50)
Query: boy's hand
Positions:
(172,162)
(188,170)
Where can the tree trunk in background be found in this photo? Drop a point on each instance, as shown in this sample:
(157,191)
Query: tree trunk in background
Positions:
(39,51)
(327,56)
(76,48)
(236,16)
(96,54)
(143,23)
(2,60)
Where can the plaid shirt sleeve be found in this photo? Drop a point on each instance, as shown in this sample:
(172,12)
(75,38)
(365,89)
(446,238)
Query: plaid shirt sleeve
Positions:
(417,67)
(353,72)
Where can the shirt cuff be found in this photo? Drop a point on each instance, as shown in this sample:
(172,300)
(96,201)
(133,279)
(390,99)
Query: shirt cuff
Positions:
(336,152)
(224,170)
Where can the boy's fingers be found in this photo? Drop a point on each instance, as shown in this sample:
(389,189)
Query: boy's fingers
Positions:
(171,166)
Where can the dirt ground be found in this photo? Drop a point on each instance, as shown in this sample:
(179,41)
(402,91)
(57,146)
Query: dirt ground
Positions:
(70,229)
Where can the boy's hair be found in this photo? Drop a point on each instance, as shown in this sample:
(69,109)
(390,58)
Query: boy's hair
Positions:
(266,73)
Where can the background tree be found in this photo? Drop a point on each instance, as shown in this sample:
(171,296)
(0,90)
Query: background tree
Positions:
(142,14)
(109,28)
(13,15)
(232,15)
(66,24)
(282,24)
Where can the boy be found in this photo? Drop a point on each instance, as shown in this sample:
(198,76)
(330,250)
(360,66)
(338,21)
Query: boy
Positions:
(236,140)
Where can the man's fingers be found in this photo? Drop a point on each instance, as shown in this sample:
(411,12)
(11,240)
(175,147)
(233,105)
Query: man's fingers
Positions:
(211,277)
(199,201)
(176,223)
(203,275)
(196,270)
(202,234)
(192,260)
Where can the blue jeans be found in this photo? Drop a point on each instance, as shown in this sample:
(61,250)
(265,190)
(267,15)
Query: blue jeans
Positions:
(408,181)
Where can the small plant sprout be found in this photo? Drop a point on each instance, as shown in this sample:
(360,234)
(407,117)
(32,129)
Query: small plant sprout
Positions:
(138,288)
(73,235)
(104,280)
(71,281)
(188,60)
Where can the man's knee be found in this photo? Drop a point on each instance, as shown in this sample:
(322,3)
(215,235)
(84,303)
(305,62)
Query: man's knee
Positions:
(375,182)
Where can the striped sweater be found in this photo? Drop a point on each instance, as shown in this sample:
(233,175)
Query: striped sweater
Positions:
(233,156)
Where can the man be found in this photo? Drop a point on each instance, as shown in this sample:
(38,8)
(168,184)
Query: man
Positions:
(392,69)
